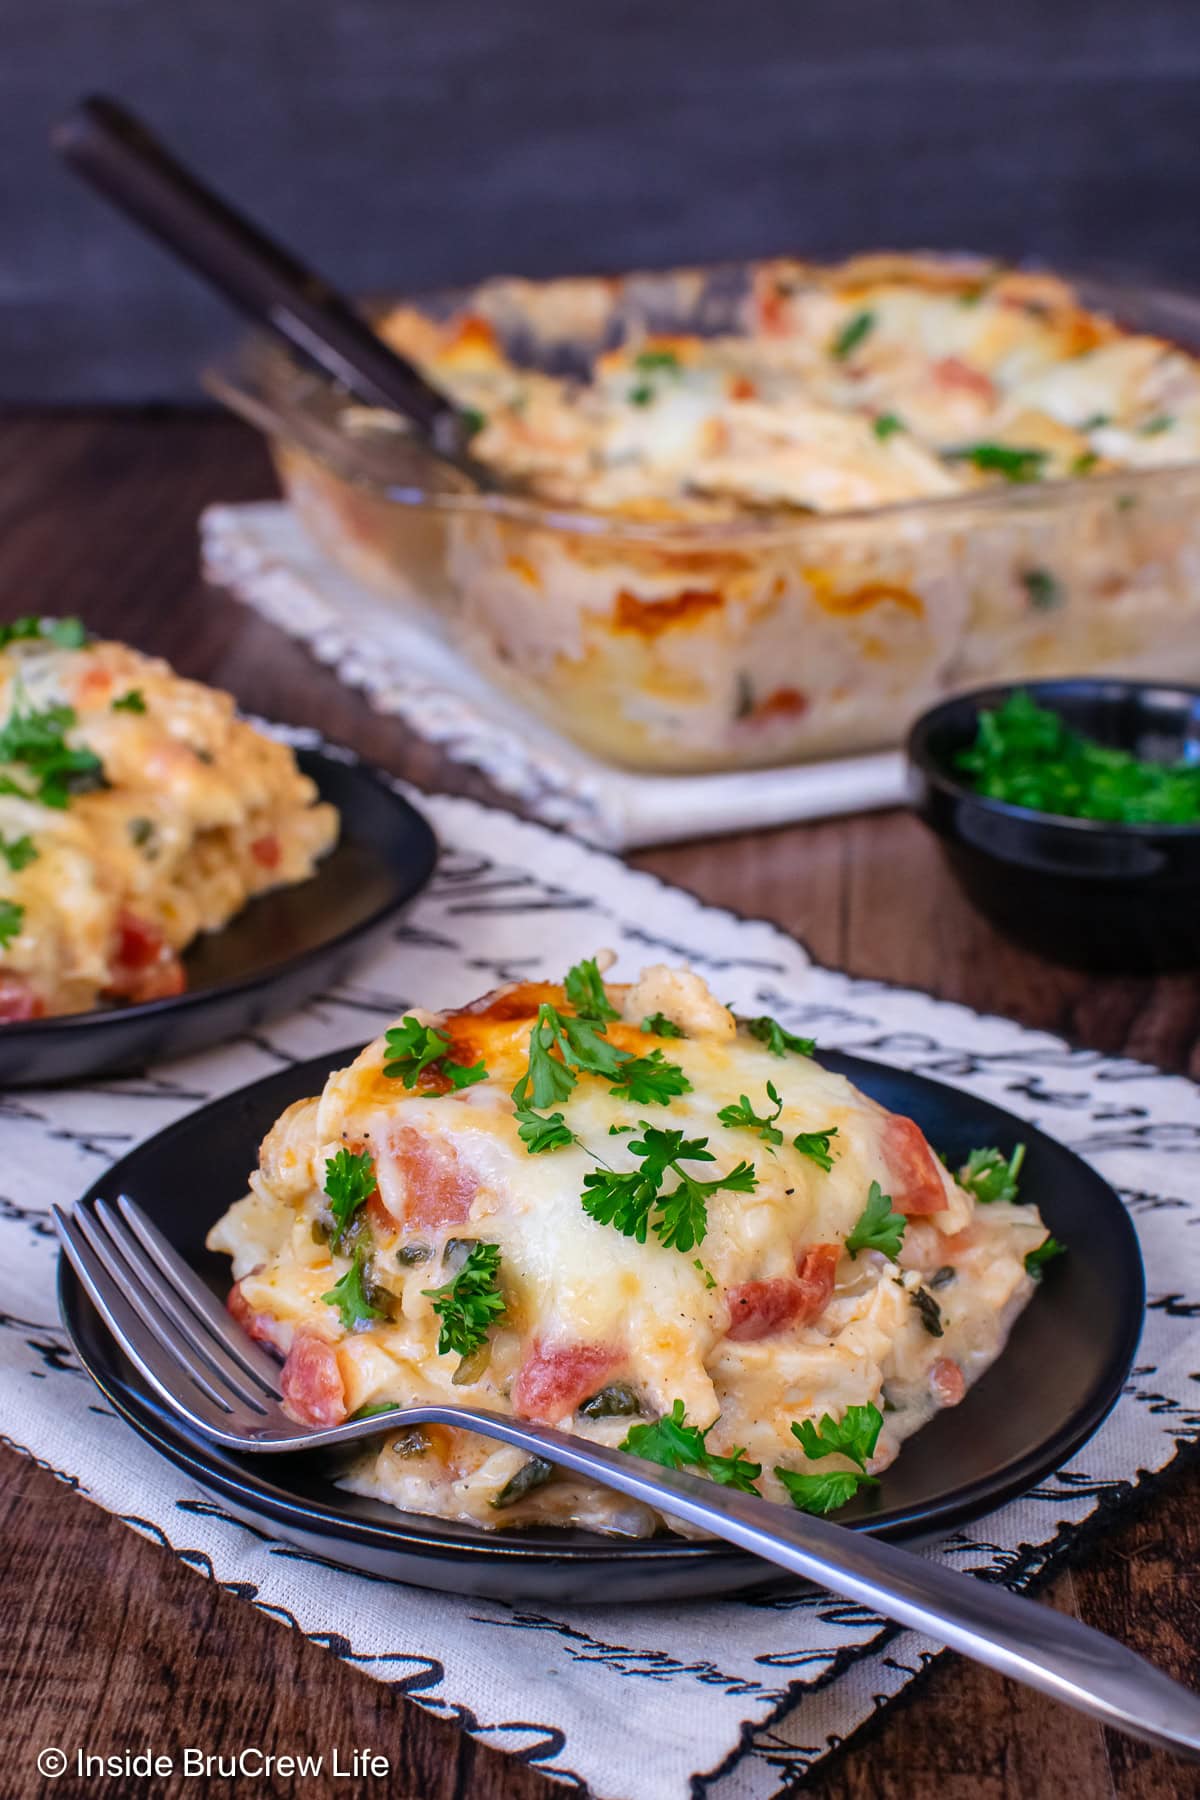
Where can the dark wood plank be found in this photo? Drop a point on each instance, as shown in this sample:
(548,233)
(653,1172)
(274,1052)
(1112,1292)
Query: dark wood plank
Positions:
(97,515)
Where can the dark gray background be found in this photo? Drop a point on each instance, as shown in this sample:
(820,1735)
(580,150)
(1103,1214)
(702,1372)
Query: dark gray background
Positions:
(407,145)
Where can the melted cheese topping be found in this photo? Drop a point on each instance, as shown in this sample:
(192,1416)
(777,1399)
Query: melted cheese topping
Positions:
(192,814)
(850,387)
(767,1321)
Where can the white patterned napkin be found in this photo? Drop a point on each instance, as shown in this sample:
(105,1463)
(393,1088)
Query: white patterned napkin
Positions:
(262,555)
(732,1699)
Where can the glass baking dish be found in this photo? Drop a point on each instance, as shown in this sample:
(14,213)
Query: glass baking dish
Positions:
(680,646)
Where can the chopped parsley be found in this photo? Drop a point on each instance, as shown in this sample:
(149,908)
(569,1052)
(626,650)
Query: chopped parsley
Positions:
(650,1080)
(473,420)
(709,1278)
(743,1117)
(625,1200)
(877,1227)
(36,742)
(68,634)
(349,1181)
(354,1297)
(18,852)
(132,702)
(471,1304)
(1159,423)
(990,1175)
(1084,463)
(1047,1250)
(1044,589)
(539,1133)
(851,335)
(585,991)
(778,1041)
(887,425)
(853,1436)
(649,360)
(815,1145)
(1096,422)
(142,832)
(581,1046)
(1009,460)
(658,1025)
(674,1444)
(412,1048)
(12,917)
(1026,755)
(641,395)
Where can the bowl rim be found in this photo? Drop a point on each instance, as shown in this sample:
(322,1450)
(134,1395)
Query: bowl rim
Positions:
(919,756)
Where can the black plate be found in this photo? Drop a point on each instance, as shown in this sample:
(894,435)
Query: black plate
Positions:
(280,949)
(1091,893)
(1062,1371)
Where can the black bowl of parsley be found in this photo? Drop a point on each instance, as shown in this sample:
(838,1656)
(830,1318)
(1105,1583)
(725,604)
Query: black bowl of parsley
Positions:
(1070,812)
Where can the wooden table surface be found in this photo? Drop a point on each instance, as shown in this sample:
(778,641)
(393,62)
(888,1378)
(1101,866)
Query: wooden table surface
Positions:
(109,1641)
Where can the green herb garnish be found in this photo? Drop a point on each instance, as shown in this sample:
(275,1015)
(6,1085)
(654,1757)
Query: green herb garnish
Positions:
(412,1048)
(471,1304)
(1047,1250)
(36,742)
(853,1436)
(354,1297)
(778,1041)
(585,992)
(851,335)
(1002,459)
(877,1227)
(1155,426)
(625,1200)
(540,1133)
(658,1025)
(12,917)
(650,1080)
(349,1181)
(815,1145)
(132,702)
(887,425)
(1026,755)
(990,1175)
(68,634)
(18,852)
(1044,589)
(743,1117)
(581,1048)
(674,1444)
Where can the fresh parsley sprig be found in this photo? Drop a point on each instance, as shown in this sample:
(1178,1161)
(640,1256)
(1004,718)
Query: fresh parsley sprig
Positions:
(778,1041)
(674,1444)
(658,1025)
(650,1080)
(626,1200)
(877,1226)
(12,917)
(853,1436)
(349,1181)
(539,1132)
(471,1304)
(412,1048)
(18,852)
(1047,1250)
(132,702)
(67,634)
(354,1296)
(990,1176)
(741,1116)
(1011,461)
(35,741)
(584,988)
(815,1145)
(851,335)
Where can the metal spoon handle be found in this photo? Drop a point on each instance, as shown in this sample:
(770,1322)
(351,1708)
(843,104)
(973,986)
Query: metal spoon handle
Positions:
(115,152)
(1021,1638)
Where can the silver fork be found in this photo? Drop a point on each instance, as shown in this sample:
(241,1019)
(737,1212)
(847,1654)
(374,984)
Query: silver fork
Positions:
(205,1367)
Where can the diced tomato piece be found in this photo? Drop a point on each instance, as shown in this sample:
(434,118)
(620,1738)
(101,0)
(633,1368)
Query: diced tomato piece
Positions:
(757,1309)
(18,1002)
(554,1378)
(258,1325)
(311,1382)
(816,1271)
(915,1183)
(947,1383)
(435,1186)
(951,373)
(781,703)
(742,388)
(266,851)
(139,943)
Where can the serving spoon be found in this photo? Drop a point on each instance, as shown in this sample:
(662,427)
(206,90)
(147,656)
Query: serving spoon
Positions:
(114,151)
(225,1387)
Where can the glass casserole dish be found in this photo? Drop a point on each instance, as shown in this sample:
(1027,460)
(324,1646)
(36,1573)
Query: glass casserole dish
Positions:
(719,635)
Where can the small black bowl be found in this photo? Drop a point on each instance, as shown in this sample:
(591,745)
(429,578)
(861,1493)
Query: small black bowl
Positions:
(1084,892)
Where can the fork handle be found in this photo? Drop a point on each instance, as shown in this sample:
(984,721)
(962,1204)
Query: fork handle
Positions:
(1019,1637)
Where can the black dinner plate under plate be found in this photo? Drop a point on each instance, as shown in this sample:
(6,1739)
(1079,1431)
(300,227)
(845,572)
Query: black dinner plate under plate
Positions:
(1062,1371)
(280,949)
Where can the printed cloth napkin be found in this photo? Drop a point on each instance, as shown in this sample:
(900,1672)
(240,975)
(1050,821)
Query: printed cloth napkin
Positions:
(262,554)
(732,1699)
